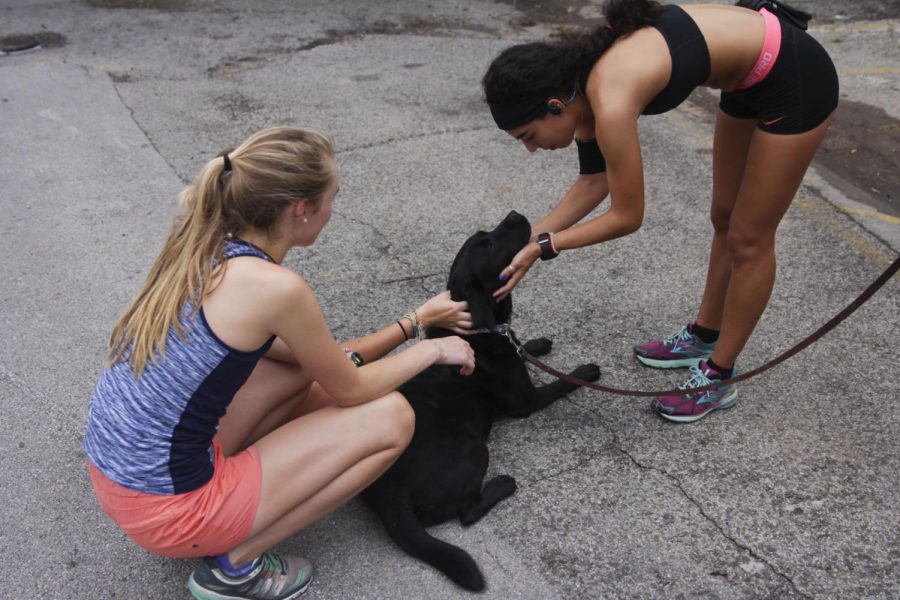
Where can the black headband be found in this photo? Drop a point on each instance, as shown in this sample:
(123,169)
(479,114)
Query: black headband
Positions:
(515,113)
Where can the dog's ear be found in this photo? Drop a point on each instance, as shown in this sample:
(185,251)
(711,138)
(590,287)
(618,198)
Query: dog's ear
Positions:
(503,310)
(473,291)
(464,285)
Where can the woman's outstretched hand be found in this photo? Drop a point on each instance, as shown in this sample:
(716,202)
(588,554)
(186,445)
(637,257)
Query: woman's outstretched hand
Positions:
(516,270)
(442,311)
(454,351)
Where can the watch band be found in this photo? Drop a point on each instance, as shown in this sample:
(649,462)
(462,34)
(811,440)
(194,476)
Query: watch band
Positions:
(548,250)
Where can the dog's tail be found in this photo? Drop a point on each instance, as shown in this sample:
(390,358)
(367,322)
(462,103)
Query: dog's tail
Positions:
(402,525)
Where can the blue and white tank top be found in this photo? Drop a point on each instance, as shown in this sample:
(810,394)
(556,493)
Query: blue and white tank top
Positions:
(153,433)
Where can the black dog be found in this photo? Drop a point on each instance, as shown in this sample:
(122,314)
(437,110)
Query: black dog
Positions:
(440,474)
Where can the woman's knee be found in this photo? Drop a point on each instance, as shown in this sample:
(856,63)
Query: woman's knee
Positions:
(396,418)
(746,245)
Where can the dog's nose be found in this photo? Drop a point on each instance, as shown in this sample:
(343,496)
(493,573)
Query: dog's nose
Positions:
(513,216)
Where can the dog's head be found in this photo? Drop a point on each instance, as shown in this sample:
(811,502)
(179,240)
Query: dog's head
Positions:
(475,273)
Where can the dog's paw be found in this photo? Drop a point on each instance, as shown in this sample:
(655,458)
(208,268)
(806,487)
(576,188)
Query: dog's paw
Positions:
(588,372)
(502,485)
(538,346)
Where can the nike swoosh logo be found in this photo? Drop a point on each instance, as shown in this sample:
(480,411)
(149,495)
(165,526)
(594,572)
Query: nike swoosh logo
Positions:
(772,122)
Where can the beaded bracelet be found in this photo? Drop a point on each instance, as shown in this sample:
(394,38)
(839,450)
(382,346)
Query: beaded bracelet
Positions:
(414,321)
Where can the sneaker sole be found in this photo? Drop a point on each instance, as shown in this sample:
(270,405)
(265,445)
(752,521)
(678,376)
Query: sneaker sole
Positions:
(202,594)
(727,403)
(672,364)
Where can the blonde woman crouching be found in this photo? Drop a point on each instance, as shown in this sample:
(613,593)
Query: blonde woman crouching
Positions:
(229,417)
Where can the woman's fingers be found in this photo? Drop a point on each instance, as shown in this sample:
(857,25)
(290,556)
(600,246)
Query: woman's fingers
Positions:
(514,280)
(516,270)
(442,311)
(456,351)
(508,272)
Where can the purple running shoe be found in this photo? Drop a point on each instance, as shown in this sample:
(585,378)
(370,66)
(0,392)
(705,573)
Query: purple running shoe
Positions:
(693,407)
(681,349)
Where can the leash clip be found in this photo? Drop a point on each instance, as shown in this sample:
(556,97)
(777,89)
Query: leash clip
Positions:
(507,331)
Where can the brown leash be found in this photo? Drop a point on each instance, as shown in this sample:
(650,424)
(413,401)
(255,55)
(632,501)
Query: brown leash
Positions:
(850,309)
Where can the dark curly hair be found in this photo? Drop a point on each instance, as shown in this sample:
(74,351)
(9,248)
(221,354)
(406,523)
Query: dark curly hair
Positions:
(553,69)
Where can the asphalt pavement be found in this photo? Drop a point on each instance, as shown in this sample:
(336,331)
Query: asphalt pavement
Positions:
(791,494)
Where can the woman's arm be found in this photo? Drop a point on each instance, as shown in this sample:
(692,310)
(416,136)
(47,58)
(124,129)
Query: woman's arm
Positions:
(585,195)
(440,311)
(296,318)
(625,183)
(618,138)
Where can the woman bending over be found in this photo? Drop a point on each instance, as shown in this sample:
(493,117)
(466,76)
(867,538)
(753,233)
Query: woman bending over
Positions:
(779,90)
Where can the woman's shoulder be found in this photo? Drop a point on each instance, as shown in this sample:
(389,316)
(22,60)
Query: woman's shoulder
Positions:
(249,297)
(257,285)
(630,73)
(264,278)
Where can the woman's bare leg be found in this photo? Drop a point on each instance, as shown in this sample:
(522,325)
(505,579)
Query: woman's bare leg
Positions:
(315,463)
(730,146)
(315,455)
(775,168)
(274,392)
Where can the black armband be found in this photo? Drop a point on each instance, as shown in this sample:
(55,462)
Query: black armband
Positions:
(590,159)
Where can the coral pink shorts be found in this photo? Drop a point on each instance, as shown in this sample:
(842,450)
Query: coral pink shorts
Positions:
(207,521)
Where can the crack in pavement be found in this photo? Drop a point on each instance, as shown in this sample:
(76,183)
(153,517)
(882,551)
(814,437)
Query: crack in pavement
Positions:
(142,130)
(710,519)
(385,249)
(42,399)
(415,136)
(617,446)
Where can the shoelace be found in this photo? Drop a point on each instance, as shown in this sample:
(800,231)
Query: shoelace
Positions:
(272,576)
(698,379)
(681,336)
(273,562)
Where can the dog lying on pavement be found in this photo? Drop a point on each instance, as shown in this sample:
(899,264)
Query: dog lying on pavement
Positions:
(439,476)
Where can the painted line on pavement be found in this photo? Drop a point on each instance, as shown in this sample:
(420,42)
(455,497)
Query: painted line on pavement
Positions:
(823,212)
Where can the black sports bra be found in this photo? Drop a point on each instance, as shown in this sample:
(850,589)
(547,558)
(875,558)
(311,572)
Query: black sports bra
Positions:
(690,59)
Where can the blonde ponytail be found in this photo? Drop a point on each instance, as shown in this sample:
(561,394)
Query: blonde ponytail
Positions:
(270,171)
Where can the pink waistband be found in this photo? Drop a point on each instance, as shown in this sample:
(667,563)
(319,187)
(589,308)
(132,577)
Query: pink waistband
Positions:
(768,55)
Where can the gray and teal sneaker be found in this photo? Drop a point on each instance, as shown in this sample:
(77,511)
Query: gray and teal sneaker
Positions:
(681,349)
(692,407)
(272,578)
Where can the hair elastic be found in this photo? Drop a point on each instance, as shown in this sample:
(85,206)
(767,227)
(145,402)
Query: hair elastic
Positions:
(227,162)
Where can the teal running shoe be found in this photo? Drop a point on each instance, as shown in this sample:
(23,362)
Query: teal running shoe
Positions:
(681,349)
(272,578)
(688,408)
